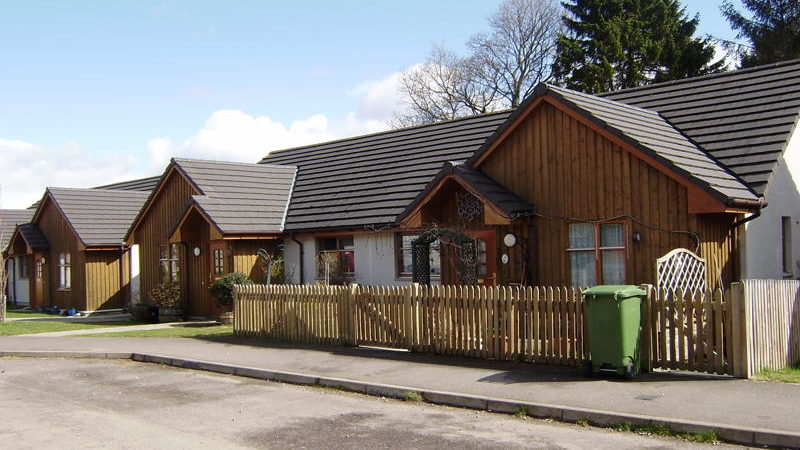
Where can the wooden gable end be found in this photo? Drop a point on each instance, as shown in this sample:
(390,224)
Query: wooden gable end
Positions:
(62,239)
(159,216)
(568,168)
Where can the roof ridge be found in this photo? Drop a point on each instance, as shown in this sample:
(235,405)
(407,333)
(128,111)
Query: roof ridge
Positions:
(395,130)
(704,77)
(604,99)
(232,163)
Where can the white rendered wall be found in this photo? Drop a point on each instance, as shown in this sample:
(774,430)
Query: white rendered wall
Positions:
(291,260)
(762,242)
(135,280)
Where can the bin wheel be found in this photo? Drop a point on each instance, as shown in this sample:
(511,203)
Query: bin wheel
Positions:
(630,371)
(587,368)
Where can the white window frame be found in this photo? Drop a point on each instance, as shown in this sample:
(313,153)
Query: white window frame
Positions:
(64,272)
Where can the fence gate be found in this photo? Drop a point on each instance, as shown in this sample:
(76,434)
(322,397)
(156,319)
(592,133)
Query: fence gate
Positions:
(682,270)
(380,316)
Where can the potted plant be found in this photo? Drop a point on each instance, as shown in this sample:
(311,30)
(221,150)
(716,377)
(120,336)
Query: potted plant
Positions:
(222,290)
(167,297)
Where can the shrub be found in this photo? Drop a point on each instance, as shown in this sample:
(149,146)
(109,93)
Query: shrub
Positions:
(167,295)
(222,289)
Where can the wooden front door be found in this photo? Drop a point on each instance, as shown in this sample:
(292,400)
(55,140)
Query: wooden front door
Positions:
(486,256)
(39,275)
(197,279)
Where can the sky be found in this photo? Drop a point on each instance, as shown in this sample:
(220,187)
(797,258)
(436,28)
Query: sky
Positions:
(95,92)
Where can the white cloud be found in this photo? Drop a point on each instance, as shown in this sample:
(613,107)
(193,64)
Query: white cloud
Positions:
(26,169)
(235,135)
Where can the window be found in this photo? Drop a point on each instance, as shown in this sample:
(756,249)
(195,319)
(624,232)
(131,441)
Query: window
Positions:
(24,263)
(597,253)
(38,269)
(219,261)
(64,272)
(404,258)
(336,255)
(786,241)
(169,260)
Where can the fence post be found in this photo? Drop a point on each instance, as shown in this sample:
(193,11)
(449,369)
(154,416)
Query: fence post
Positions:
(237,310)
(646,348)
(412,294)
(348,319)
(741,329)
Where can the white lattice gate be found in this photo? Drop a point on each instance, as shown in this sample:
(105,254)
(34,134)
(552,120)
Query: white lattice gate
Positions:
(682,270)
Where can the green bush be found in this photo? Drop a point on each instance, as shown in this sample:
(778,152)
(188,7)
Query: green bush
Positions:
(222,289)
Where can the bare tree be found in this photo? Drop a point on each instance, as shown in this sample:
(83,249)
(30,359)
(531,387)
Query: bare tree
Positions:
(519,52)
(446,86)
(503,67)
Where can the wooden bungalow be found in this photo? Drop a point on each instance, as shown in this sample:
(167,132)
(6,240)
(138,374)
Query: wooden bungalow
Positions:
(75,250)
(575,189)
(208,218)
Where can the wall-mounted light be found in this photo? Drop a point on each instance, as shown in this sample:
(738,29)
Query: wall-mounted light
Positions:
(44,260)
(510,240)
(637,237)
(196,251)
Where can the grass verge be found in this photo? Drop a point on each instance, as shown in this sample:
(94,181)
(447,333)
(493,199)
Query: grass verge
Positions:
(656,429)
(42,326)
(785,375)
(186,331)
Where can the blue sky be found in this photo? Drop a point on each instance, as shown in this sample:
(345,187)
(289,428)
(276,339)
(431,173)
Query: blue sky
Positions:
(96,92)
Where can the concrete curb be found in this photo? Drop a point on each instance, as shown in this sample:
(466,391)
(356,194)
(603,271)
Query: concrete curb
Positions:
(570,414)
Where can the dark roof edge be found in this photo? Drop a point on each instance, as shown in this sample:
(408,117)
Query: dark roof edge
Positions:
(149,199)
(702,77)
(379,133)
(48,194)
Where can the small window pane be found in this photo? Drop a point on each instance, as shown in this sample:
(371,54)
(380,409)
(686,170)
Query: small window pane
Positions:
(612,235)
(581,235)
(348,262)
(408,267)
(613,267)
(347,243)
(327,244)
(583,268)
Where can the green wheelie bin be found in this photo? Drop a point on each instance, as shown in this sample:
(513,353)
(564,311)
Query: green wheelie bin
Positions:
(613,318)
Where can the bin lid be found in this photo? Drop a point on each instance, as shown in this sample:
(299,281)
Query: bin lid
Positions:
(617,291)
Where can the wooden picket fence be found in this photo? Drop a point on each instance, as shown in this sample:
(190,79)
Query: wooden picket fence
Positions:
(687,331)
(768,325)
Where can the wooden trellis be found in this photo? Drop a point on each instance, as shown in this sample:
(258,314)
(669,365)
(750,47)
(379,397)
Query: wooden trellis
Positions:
(682,270)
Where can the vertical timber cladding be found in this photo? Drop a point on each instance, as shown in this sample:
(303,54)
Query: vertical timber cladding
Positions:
(163,212)
(565,168)
(104,289)
(245,257)
(62,239)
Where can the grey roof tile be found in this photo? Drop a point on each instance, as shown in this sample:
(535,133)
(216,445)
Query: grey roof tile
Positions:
(239,197)
(9,219)
(731,115)
(100,217)
(369,180)
(33,236)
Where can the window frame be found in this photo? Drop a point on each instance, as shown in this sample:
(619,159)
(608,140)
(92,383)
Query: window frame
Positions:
(340,251)
(173,260)
(598,249)
(398,255)
(64,271)
(218,261)
(24,267)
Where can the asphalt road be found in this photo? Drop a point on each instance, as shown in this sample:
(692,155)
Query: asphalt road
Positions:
(60,403)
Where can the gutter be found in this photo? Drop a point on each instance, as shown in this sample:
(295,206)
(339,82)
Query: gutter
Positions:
(299,244)
(761,204)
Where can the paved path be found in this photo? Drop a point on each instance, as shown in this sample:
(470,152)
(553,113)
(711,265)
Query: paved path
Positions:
(720,401)
(88,404)
(95,318)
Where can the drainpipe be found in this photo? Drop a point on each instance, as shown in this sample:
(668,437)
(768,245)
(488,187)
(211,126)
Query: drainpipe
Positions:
(299,244)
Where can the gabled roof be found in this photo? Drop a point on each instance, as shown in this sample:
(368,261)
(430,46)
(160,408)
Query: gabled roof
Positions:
(9,219)
(240,198)
(646,131)
(503,201)
(369,180)
(33,236)
(99,217)
(743,118)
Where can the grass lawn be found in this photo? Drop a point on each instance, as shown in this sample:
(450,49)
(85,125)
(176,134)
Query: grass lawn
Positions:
(176,332)
(24,314)
(40,326)
(785,375)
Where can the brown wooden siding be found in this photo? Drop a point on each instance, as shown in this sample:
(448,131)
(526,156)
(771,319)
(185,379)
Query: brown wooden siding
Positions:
(104,289)
(154,227)
(62,240)
(566,169)
(245,258)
